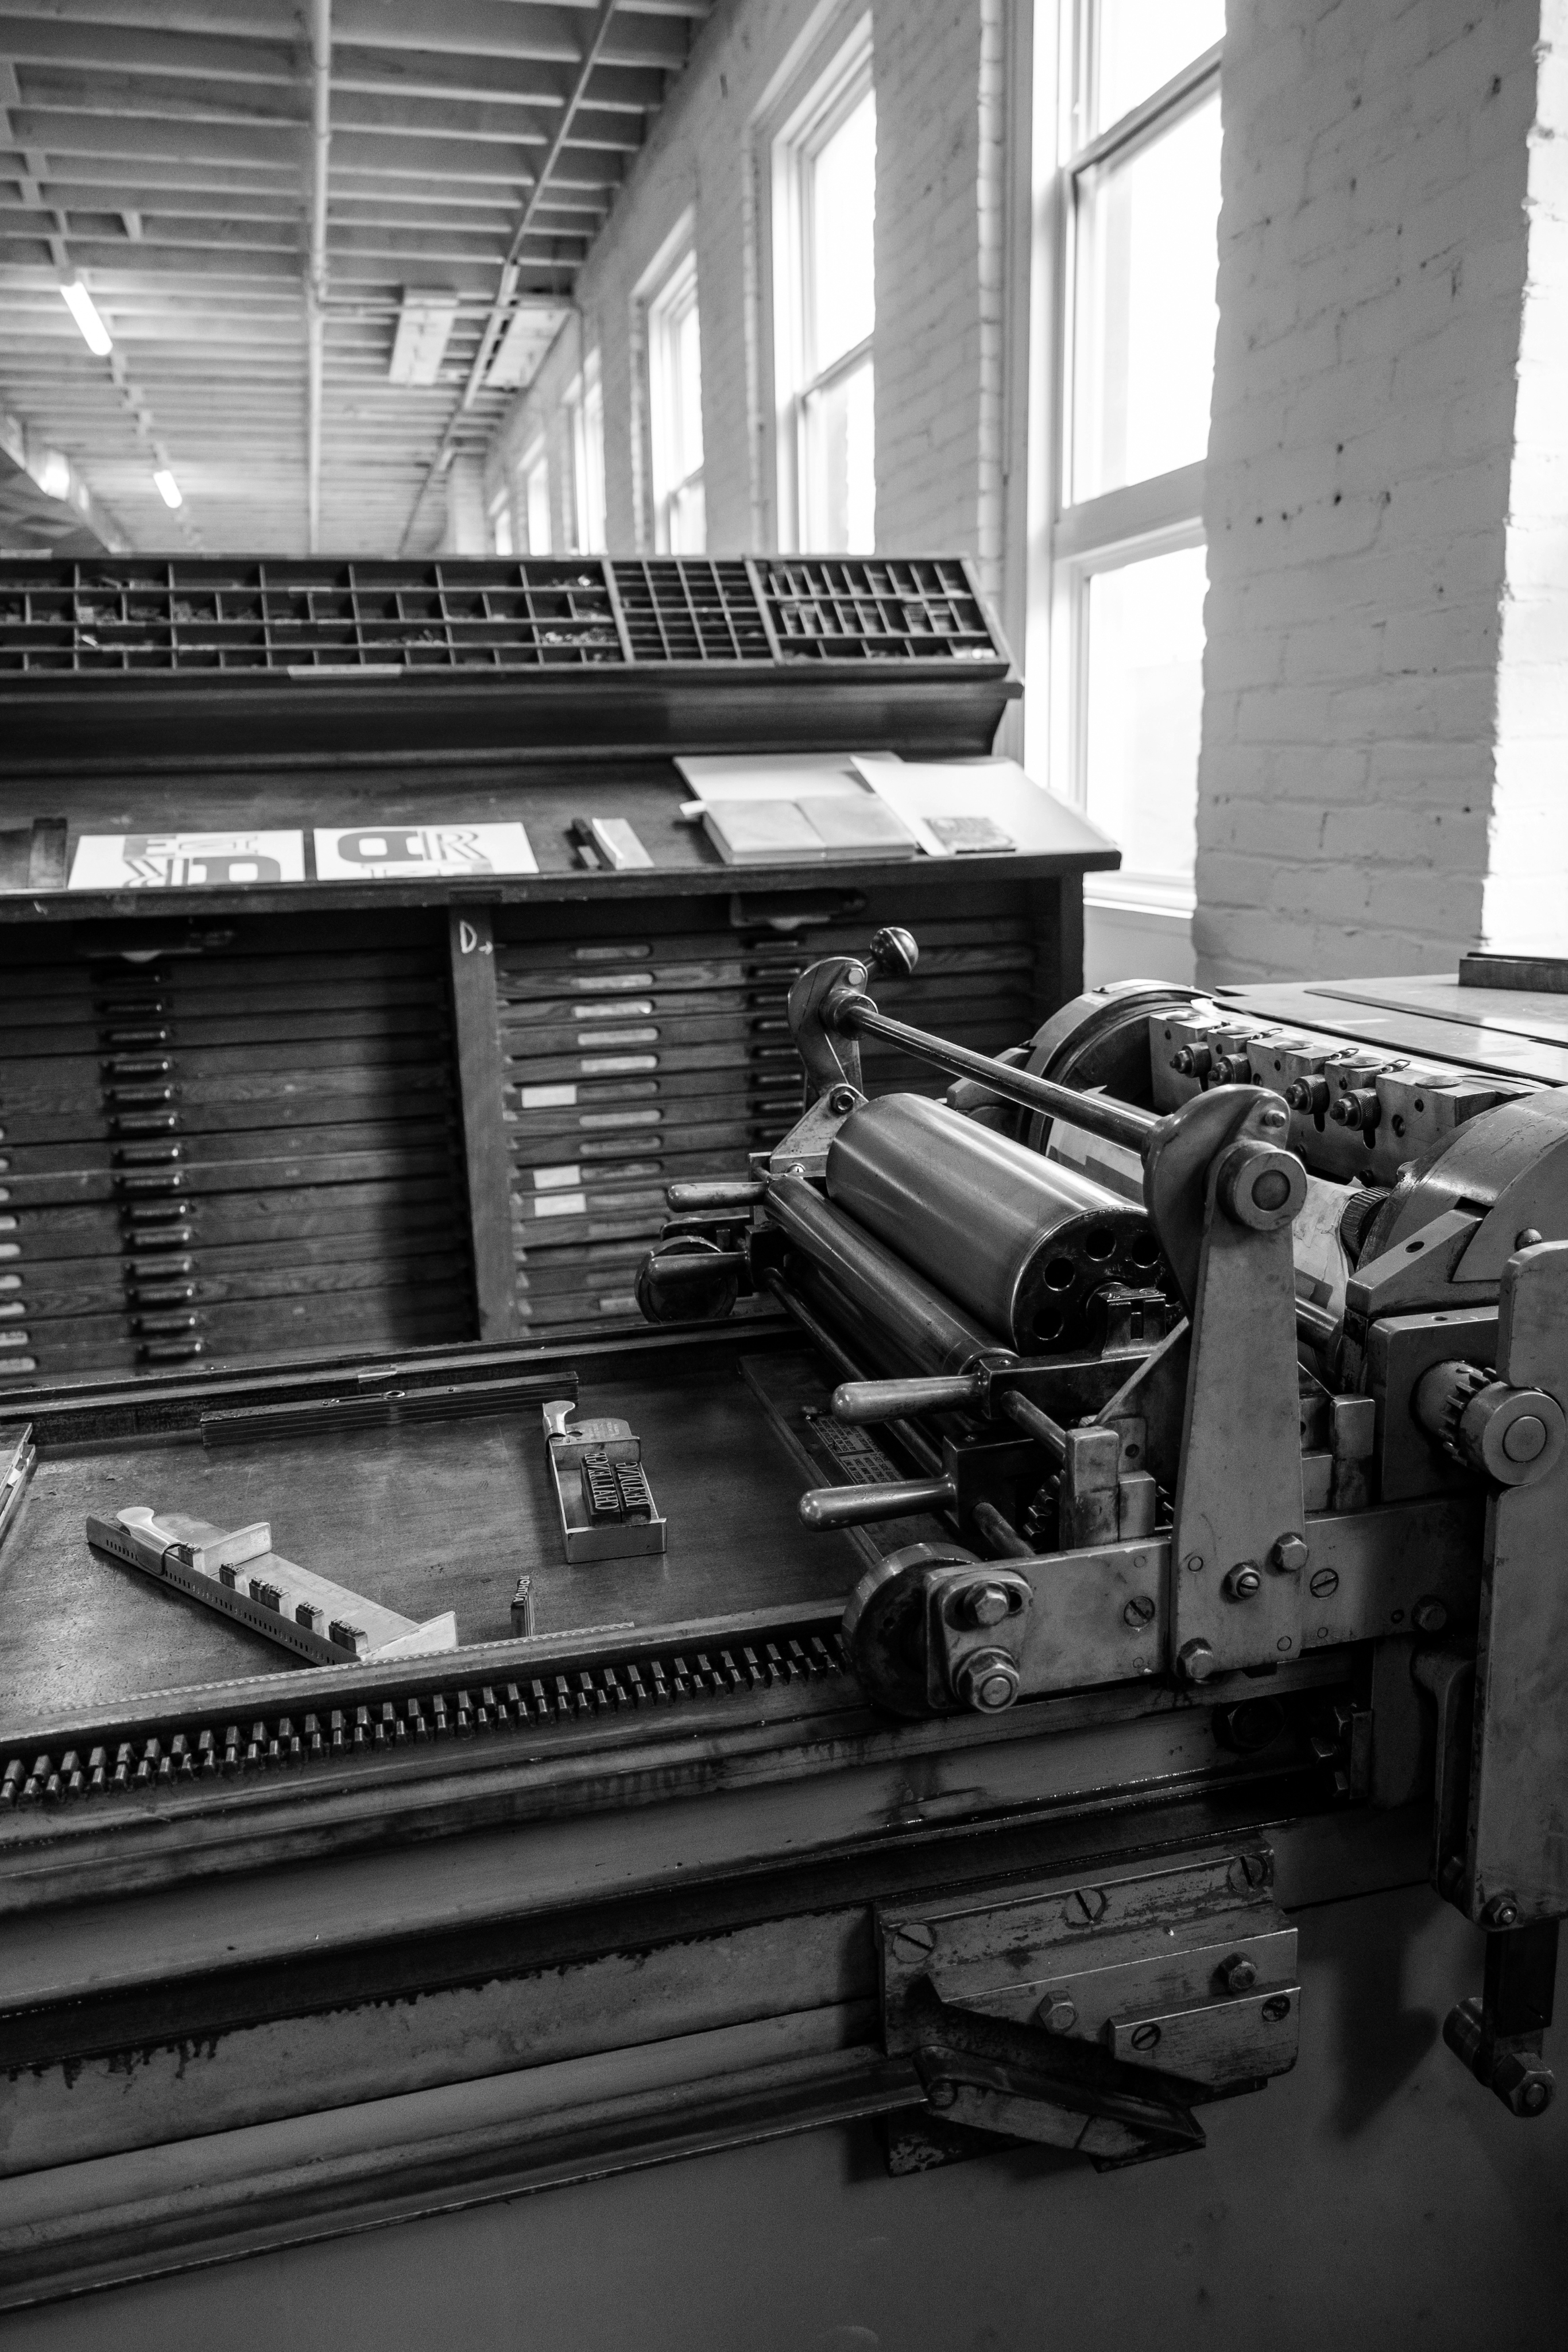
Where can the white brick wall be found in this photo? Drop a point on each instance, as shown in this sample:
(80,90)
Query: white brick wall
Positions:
(1379,182)
(937,66)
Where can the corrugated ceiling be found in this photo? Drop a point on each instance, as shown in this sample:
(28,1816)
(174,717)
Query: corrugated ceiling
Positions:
(163,151)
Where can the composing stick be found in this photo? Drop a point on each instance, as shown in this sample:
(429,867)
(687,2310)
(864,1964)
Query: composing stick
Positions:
(237,1573)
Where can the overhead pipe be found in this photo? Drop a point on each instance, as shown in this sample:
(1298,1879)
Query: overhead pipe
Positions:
(316,274)
(511,265)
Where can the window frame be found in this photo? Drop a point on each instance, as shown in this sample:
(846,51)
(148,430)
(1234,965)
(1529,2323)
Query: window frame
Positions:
(821,99)
(584,406)
(1156,516)
(676,299)
(534,465)
(501,521)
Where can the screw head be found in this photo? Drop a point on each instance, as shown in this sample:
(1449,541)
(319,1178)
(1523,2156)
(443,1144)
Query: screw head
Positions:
(942,2094)
(1502,1911)
(1144,2037)
(1276,2009)
(1089,1903)
(1237,1974)
(1289,1555)
(1324,1581)
(1275,1119)
(1429,1616)
(915,1940)
(1057,2013)
(1197,1660)
(1139,1610)
(1243,1581)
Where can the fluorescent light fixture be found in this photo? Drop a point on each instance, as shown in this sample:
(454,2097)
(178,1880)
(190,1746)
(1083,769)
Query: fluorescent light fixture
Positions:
(423,327)
(525,339)
(80,303)
(168,488)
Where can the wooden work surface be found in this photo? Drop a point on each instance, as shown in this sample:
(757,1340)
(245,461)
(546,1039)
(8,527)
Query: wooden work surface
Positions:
(423,1517)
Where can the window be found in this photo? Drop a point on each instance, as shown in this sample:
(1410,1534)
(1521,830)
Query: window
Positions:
(1139,204)
(536,499)
(501,538)
(675,412)
(824,220)
(585,411)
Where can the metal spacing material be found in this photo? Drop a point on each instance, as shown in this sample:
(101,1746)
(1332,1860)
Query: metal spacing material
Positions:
(1240,1491)
(1021,1243)
(1516,1848)
(916,1319)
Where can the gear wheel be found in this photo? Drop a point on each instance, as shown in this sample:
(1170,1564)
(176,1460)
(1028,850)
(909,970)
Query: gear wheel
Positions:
(1467,1381)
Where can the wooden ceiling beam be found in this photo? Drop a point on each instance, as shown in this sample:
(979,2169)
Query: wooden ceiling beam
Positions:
(165,98)
(416,156)
(657,34)
(98,49)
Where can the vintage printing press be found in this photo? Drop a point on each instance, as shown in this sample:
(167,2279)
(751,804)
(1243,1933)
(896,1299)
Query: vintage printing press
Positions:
(1198,1398)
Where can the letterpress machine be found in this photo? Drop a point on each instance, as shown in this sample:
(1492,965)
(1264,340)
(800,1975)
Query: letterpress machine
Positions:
(1224,1358)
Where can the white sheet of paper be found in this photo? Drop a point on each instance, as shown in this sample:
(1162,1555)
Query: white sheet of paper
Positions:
(771,775)
(918,789)
(391,853)
(185,861)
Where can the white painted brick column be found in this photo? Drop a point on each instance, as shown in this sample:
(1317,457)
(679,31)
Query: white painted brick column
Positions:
(1380,183)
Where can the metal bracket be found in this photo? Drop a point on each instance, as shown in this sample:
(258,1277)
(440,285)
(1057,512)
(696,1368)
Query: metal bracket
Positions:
(1093,2016)
(1240,1546)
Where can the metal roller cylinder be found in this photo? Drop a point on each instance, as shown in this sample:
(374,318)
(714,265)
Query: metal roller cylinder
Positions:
(1023,1242)
(922,1326)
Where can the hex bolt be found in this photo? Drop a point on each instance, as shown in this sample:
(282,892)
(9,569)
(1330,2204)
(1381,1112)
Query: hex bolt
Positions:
(1429,1616)
(1275,1119)
(1276,2009)
(1289,1555)
(1502,1911)
(915,1940)
(941,2094)
(1144,2037)
(1242,1581)
(978,1604)
(1197,1660)
(1057,2013)
(1139,1610)
(1239,1974)
(1324,1581)
(1523,2084)
(987,1681)
(841,1100)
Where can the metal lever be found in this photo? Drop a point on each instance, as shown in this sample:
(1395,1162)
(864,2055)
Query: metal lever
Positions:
(888,1498)
(997,2076)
